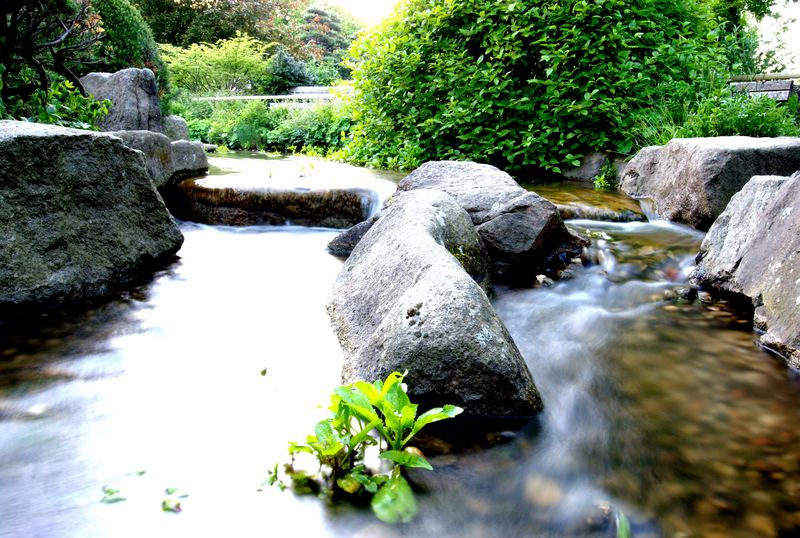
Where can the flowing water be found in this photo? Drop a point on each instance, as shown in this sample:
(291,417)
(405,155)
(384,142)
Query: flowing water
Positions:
(658,407)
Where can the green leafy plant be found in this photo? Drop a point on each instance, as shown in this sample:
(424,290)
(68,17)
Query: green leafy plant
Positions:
(63,105)
(730,113)
(607,179)
(364,415)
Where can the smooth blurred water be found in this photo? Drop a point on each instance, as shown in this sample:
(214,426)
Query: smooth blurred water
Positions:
(662,408)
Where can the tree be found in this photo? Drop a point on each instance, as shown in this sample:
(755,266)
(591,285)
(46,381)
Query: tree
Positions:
(40,38)
(128,40)
(328,34)
(524,84)
(206,21)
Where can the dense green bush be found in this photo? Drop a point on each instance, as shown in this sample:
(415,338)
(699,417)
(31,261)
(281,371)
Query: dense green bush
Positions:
(237,65)
(524,84)
(63,105)
(736,114)
(285,72)
(241,65)
(323,126)
(255,125)
(128,40)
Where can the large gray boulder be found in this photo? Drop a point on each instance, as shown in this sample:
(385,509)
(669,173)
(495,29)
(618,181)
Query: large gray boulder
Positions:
(691,180)
(405,300)
(175,128)
(753,251)
(523,232)
(167,162)
(134,96)
(78,215)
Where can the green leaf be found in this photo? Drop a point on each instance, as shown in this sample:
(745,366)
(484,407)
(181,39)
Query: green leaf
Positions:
(394,502)
(171,505)
(434,415)
(397,397)
(358,402)
(369,390)
(349,483)
(328,441)
(112,495)
(406,459)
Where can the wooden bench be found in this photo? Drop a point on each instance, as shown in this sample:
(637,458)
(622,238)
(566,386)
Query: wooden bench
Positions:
(778,87)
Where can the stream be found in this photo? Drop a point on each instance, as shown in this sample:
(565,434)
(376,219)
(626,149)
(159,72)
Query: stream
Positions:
(657,407)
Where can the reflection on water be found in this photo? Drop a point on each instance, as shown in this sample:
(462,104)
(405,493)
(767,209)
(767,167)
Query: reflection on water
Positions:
(253,171)
(169,383)
(660,407)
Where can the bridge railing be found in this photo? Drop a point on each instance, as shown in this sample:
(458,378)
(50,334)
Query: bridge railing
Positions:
(299,96)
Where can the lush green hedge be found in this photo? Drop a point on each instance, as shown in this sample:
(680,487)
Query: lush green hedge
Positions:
(322,128)
(524,84)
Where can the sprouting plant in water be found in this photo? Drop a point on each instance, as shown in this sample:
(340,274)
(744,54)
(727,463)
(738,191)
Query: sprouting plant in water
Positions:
(623,525)
(366,414)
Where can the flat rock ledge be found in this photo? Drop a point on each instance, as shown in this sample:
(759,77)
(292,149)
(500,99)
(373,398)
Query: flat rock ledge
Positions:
(407,299)
(333,208)
(79,216)
(523,232)
(691,180)
(752,252)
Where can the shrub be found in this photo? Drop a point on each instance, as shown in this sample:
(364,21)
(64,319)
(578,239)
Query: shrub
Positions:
(284,72)
(736,114)
(322,126)
(128,40)
(523,84)
(63,105)
(237,65)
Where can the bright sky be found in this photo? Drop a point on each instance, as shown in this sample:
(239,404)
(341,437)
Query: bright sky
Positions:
(769,28)
(370,12)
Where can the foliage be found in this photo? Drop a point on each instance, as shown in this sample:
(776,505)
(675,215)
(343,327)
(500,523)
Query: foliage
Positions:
(40,39)
(63,105)
(128,40)
(324,72)
(255,125)
(323,126)
(235,65)
(736,114)
(607,179)
(521,84)
(328,33)
(199,21)
(285,71)
(240,65)
(171,22)
(339,444)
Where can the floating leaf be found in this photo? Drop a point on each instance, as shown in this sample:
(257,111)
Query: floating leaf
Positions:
(112,495)
(394,502)
(171,505)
